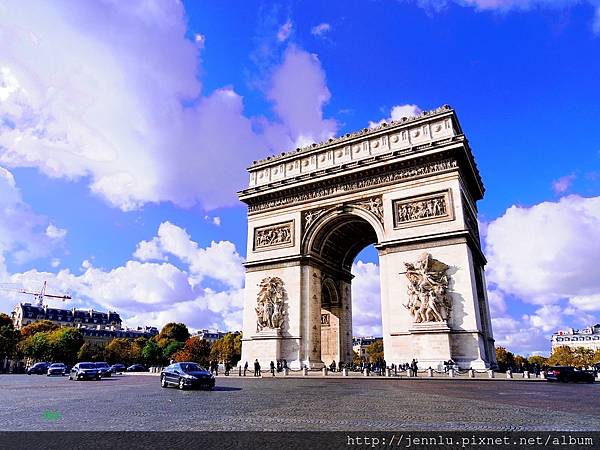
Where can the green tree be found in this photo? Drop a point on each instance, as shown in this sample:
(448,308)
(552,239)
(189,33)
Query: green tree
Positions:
(375,351)
(195,349)
(541,361)
(355,358)
(152,353)
(37,347)
(65,344)
(504,358)
(597,356)
(174,332)
(521,362)
(39,326)
(172,348)
(562,356)
(91,352)
(8,337)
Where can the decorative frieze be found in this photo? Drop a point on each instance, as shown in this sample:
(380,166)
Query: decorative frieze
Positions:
(423,209)
(269,304)
(356,185)
(374,205)
(311,216)
(274,236)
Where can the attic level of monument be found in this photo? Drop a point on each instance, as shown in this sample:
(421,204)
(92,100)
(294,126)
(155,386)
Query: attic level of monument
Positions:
(411,148)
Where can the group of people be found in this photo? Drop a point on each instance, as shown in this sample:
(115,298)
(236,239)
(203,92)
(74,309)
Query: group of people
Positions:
(214,367)
(281,365)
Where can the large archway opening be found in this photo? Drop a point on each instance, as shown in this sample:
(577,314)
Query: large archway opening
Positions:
(335,245)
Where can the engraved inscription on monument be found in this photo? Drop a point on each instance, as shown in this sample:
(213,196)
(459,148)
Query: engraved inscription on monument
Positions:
(274,236)
(423,209)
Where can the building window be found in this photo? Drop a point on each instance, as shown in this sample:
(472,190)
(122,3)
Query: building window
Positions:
(559,339)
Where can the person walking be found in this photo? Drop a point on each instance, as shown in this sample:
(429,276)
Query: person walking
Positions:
(272,365)
(245,368)
(256,368)
(414,367)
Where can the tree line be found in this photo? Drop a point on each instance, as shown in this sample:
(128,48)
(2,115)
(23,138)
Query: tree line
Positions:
(579,357)
(45,341)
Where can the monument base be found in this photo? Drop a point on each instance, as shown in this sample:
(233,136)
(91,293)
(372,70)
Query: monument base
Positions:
(267,344)
(431,339)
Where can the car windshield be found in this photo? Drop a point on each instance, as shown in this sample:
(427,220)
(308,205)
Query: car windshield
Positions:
(87,366)
(57,365)
(190,367)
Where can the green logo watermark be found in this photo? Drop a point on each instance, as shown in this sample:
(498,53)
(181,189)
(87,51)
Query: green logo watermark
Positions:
(52,415)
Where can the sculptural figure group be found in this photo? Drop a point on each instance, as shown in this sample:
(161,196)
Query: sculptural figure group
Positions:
(269,308)
(428,299)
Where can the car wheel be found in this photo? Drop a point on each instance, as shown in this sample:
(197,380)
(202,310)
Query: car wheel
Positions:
(163,382)
(181,384)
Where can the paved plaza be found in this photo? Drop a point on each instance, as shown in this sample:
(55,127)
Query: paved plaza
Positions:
(128,402)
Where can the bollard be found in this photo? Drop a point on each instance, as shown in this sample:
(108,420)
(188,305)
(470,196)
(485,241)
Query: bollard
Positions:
(408,373)
(451,373)
(365,373)
(388,372)
(491,374)
(324,371)
(471,373)
(344,372)
(509,374)
(286,371)
(525,374)
(305,371)
(543,374)
(430,372)
(240,371)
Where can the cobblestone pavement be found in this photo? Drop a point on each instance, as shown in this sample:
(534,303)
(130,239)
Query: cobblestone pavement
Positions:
(139,403)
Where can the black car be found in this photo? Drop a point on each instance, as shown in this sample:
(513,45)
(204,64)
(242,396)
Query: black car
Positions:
(103,368)
(84,371)
(137,368)
(40,368)
(187,374)
(118,368)
(57,369)
(568,373)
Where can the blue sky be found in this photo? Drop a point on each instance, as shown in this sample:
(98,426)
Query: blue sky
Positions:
(125,131)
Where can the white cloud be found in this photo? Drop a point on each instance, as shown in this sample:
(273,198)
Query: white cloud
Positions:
(285,31)
(299,92)
(366,300)
(216,221)
(321,29)
(55,262)
(397,113)
(125,111)
(53,232)
(200,40)
(563,184)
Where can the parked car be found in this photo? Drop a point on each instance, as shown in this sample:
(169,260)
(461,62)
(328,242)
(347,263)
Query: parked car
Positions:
(118,368)
(103,368)
(186,375)
(568,373)
(57,369)
(84,371)
(39,368)
(137,368)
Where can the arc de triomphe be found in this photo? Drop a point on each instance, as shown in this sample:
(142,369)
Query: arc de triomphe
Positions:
(409,187)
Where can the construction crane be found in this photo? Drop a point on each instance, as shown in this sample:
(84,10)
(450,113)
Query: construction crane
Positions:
(38,296)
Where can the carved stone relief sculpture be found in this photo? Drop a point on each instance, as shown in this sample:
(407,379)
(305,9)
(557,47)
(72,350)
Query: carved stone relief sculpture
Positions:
(429,208)
(269,304)
(428,299)
(280,235)
(375,206)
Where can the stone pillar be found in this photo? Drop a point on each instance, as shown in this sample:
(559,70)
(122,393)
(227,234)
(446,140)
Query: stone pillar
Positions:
(324,370)
(430,372)
(471,373)
(509,374)
(491,374)
(543,374)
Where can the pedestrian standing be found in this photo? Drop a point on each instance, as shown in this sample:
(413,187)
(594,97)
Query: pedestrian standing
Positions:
(245,368)
(272,368)
(256,368)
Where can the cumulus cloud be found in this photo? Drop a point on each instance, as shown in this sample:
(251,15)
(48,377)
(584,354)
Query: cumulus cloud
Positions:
(151,290)
(53,232)
(125,111)
(321,29)
(398,112)
(299,92)
(366,300)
